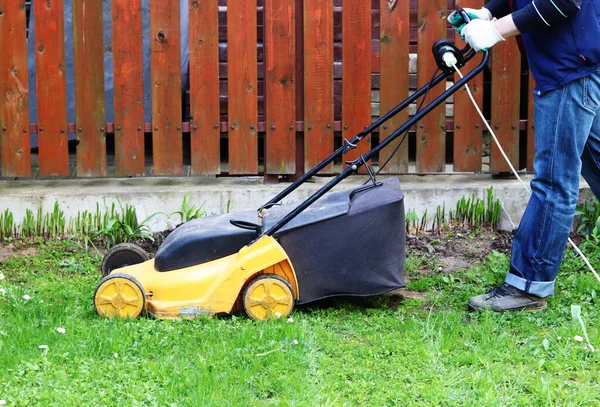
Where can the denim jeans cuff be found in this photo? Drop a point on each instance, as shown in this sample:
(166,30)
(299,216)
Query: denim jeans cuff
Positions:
(538,288)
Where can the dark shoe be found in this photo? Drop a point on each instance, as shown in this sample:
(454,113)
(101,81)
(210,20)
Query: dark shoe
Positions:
(507,298)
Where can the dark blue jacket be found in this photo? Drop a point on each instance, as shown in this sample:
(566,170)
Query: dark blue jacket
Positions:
(566,51)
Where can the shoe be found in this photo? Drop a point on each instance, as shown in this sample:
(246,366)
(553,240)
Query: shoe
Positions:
(507,298)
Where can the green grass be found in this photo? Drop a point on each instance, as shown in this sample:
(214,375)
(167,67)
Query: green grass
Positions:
(367,352)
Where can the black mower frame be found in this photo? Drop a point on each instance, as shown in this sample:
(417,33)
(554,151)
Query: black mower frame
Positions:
(439,49)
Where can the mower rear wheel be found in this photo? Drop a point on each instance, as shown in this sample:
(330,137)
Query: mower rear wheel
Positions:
(268,296)
(119,295)
(122,255)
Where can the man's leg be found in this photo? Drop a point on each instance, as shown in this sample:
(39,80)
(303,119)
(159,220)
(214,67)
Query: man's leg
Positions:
(563,120)
(590,159)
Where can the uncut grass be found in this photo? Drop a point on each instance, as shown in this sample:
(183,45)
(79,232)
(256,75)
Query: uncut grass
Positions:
(365,352)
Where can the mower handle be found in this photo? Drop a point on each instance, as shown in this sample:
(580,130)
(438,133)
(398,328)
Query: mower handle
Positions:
(463,14)
(382,144)
(467,54)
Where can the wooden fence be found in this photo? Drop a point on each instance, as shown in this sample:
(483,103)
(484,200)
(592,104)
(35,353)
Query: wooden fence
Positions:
(274,87)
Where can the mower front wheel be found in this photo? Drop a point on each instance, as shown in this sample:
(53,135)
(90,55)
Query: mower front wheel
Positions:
(268,296)
(122,255)
(119,295)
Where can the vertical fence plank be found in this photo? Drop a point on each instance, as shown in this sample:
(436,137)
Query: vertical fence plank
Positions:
(14,114)
(128,87)
(165,63)
(394,79)
(431,131)
(204,86)
(468,127)
(506,90)
(88,47)
(51,87)
(318,82)
(280,86)
(356,73)
(242,87)
(530,124)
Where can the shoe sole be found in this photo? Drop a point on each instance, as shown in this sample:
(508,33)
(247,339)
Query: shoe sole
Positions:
(528,308)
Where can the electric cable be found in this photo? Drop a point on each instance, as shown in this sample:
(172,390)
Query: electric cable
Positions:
(514,171)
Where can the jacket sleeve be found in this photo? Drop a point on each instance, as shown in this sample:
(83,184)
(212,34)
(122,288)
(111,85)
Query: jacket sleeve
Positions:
(544,13)
(498,8)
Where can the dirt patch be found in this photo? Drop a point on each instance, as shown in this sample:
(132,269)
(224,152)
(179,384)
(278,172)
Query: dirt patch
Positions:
(7,251)
(458,249)
(152,246)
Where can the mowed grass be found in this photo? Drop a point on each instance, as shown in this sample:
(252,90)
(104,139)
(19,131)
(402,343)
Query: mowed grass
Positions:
(362,352)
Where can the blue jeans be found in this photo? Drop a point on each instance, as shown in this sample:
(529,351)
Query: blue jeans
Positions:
(567,144)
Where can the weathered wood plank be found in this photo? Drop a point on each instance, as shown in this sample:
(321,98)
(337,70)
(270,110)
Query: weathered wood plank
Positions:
(394,80)
(280,86)
(242,87)
(167,145)
(356,73)
(51,87)
(431,131)
(468,129)
(318,82)
(14,90)
(204,86)
(88,53)
(128,87)
(505,104)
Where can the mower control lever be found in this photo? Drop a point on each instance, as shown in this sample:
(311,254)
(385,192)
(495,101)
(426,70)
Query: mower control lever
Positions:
(348,146)
(246,225)
(463,13)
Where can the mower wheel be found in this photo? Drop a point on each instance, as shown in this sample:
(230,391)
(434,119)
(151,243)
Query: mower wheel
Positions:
(119,295)
(122,255)
(268,296)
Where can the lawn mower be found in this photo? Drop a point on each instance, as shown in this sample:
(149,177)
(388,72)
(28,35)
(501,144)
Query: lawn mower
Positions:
(342,243)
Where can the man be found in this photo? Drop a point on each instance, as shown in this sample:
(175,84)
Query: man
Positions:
(562,42)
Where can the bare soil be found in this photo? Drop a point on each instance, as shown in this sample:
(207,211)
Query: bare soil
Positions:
(458,249)
(9,250)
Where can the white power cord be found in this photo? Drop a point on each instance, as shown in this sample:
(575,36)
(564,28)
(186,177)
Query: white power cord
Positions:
(453,64)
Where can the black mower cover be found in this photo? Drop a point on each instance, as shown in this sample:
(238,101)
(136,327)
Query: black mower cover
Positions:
(347,245)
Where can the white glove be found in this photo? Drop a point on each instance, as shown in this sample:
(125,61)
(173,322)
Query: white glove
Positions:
(481,34)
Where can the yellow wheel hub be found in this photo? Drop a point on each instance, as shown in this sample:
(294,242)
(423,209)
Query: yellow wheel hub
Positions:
(119,296)
(268,297)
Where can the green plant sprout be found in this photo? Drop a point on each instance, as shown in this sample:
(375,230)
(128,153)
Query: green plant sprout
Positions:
(188,212)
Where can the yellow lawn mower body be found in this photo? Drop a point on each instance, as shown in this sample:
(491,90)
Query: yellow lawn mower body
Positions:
(260,277)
